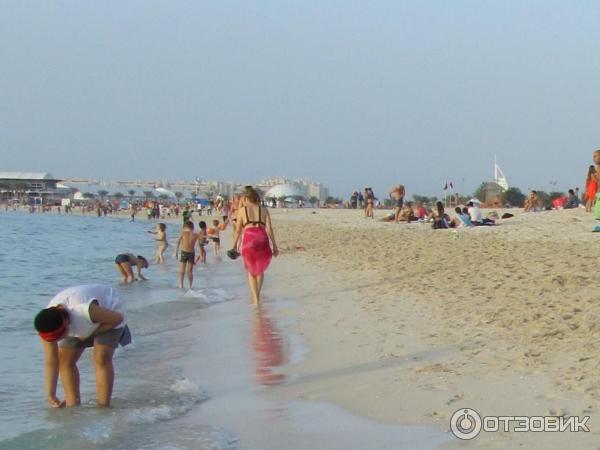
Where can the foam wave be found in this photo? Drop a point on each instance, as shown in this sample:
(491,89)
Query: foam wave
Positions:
(187,395)
(209,296)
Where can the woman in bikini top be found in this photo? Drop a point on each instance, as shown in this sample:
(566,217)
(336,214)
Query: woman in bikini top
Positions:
(258,222)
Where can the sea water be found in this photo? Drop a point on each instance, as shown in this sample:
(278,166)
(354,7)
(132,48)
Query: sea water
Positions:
(41,254)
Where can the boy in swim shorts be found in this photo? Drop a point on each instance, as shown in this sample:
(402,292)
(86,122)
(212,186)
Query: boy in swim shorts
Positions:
(202,241)
(187,241)
(75,319)
(214,234)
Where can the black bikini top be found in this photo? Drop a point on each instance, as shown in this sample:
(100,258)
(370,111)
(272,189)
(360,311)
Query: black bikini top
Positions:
(254,222)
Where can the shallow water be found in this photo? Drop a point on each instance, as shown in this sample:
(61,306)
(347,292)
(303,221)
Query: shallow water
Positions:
(40,254)
(202,367)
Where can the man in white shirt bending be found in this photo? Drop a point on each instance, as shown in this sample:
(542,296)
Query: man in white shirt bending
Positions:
(76,318)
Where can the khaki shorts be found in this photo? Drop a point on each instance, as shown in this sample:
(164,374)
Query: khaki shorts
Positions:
(112,338)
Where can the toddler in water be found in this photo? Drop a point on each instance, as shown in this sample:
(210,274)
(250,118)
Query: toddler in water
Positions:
(214,234)
(161,239)
(202,241)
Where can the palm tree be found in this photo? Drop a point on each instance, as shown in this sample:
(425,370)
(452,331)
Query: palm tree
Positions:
(102,193)
(131,193)
(148,194)
(313,201)
(118,195)
(87,195)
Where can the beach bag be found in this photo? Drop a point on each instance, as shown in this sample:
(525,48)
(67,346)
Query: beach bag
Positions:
(597,207)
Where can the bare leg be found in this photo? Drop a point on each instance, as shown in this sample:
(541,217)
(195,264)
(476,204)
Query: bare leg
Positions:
(259,280)
(190,273)
(181,273)
(122,273)
(253,282)
(105,373)
(69,373)
(128,272)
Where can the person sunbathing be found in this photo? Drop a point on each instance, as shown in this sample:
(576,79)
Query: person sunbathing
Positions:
(442,220)
(407,214)
(533,202)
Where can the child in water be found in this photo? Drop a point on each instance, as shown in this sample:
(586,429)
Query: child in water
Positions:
(161,239)
(187,242)
(214,234)
(202,241)
(125,262)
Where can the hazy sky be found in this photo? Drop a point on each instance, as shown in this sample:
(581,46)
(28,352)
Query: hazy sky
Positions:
(350,93)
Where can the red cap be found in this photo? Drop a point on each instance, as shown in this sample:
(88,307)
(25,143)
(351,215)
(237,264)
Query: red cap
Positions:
(55,335)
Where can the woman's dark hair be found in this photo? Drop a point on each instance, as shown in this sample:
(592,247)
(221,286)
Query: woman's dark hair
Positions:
(440,208)
(50,319)
(202,224)
(143,259)
(251,194)
(458,210)
(162,226)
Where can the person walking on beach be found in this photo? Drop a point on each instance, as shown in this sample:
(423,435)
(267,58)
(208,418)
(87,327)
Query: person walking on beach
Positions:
(161,240)
(591,188)
(187,242)
(124,263)
(75,319)
(254,231)
(369,201)
(397,195)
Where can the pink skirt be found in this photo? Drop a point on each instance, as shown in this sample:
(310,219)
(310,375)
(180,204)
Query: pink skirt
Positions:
(256,250)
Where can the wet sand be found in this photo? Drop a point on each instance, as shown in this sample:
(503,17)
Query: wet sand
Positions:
(243,367)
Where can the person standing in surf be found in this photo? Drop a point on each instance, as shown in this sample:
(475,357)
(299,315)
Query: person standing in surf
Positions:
(187,242)
(254,235)
(75,319)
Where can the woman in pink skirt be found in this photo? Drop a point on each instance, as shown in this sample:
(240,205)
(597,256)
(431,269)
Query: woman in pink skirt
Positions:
(253,226)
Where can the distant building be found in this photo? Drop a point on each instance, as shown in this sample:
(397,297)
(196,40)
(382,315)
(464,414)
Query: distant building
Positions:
(309,188)
(32,187)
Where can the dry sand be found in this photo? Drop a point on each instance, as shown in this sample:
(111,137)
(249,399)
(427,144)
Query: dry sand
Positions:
(407,324)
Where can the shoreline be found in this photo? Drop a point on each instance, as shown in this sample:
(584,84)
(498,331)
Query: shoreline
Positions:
(406,324)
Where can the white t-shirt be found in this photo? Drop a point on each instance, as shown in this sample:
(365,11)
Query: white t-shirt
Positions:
(77,299)
(475,213)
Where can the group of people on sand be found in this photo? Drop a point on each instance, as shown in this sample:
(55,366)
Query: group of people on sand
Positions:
(93,315)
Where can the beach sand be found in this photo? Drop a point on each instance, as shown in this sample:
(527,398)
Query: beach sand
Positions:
(406,324)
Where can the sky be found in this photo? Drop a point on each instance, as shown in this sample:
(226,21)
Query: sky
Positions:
(350,93)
